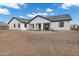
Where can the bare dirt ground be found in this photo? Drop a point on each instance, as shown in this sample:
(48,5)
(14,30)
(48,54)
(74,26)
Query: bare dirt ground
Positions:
(41,43)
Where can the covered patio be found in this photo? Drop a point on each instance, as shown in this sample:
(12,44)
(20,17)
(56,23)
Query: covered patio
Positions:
(40,26)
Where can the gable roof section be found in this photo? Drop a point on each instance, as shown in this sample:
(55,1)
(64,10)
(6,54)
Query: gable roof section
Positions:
(22,20)
(65,17)
(39,16)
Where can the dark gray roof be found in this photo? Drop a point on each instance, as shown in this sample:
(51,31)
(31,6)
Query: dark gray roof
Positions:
(65,17)
(22,20)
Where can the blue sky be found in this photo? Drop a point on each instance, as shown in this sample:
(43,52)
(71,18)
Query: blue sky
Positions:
(30,10)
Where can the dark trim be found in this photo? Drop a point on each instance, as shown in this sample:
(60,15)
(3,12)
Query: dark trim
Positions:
(38,16)
(14,25)
(16,19)
(41,17)
(19,25)
(11,20)
(61,24)
(60,20)
(49,19)
(25,25)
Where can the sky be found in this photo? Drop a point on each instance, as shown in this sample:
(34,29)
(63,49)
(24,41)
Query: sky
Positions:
(30,10)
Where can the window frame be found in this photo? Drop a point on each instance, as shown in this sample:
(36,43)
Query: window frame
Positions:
(18,25)
(25,25)
(14,25)
(61,24)
(33,25)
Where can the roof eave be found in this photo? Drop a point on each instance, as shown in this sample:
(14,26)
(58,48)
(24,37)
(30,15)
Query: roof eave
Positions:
(11,20)
(60,20)
(38,16)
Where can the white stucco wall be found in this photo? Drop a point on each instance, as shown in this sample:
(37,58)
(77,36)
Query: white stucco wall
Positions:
(14,21)
(23,28)
(39,20)
(55,26)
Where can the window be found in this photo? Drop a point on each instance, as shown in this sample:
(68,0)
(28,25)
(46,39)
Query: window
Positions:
(18,25)
(14,25)
(33,25)
(61,24)
(25,25)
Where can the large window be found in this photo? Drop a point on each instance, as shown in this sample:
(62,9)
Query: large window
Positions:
(61,24)
(25,25)
(14,25)
(33,25)
(18,25)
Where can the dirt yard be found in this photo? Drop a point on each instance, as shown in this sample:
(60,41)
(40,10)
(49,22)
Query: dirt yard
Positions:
(38,43)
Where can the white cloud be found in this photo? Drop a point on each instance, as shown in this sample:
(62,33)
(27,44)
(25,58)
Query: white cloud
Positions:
(31,15)
(49,10)
(12,5)
(21,17)
(68,5)
(51,13)
(4,11)
(34,14)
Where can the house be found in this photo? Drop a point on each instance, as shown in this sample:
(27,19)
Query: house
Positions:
(18,24)
(59,22)
(3,25)
(78,27)
(74,27)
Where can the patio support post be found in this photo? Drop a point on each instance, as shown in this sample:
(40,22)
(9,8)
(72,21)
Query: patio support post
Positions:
(34,26)
(41,26)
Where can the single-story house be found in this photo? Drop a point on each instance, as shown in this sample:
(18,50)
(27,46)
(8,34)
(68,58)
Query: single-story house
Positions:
(59,22)
(3,25)
(18,24)
(74,27)
(78,27)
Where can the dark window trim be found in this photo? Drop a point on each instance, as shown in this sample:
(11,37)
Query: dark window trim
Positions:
(18,25)
(25,25)
(14,25)
(61,24)
(33,25)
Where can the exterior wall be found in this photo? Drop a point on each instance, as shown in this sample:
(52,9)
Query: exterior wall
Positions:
(55,26)
(37,21)
(14,21)
(23,28)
